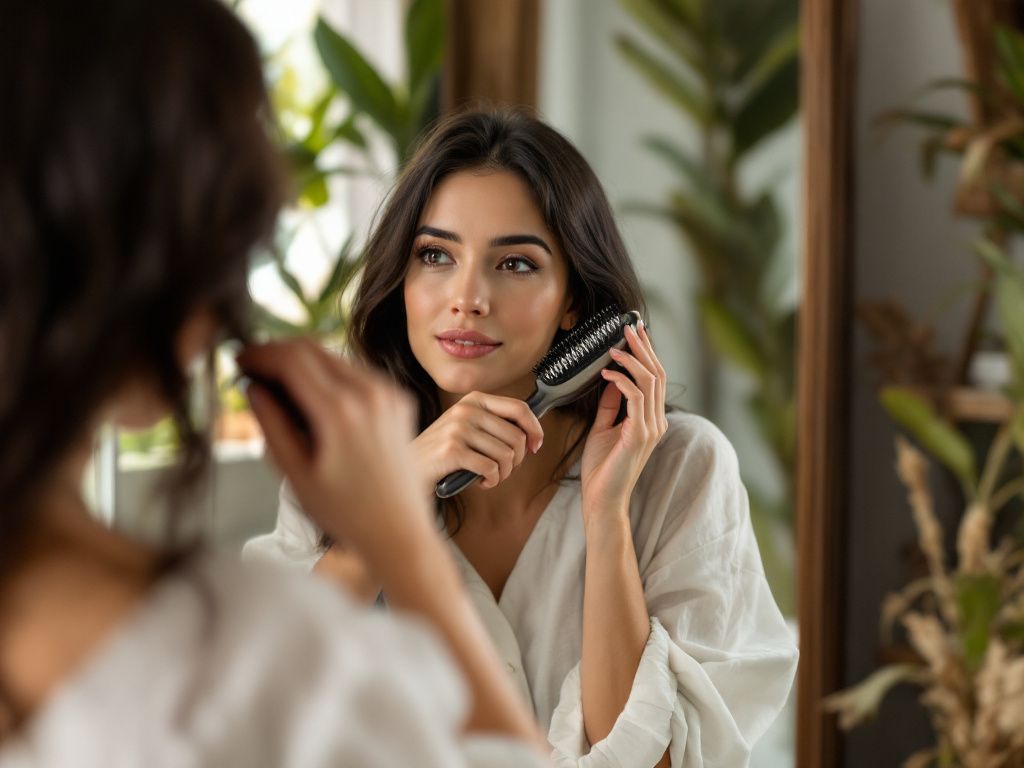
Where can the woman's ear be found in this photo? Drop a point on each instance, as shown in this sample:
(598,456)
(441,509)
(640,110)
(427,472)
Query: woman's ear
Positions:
(569,317)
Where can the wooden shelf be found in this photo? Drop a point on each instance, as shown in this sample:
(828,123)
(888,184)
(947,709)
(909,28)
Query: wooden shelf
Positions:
(967,404)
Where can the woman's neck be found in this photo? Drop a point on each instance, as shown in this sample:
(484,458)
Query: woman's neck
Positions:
(62,523)
(74,581)
(533,477)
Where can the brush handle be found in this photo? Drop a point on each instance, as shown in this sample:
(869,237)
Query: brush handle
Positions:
(460,480)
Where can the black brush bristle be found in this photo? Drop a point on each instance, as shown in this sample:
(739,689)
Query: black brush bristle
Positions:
(587,342)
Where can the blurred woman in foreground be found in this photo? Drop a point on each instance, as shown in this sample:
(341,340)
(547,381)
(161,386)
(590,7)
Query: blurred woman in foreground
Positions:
(135,178)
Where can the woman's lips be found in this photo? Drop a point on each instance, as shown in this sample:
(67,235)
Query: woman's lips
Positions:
(466,349)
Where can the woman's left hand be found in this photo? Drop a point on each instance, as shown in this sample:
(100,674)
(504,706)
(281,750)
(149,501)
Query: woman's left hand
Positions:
(615,454)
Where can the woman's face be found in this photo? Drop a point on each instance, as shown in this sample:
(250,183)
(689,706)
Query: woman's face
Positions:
(486,286)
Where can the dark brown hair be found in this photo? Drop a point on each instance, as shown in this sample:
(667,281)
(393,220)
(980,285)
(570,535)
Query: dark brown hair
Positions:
(136,176)
(574,208)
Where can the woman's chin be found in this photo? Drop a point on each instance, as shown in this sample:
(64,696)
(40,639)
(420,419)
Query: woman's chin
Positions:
(463,385)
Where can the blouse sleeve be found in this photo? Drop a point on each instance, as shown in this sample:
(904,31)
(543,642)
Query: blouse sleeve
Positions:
(719,661)
(295,540)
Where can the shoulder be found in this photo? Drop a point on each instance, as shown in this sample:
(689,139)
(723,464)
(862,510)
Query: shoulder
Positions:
(272,643)
(284,613)
(690,490)
(692,447)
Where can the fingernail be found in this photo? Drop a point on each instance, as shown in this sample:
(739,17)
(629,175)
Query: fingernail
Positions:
(537,446)
(642,325)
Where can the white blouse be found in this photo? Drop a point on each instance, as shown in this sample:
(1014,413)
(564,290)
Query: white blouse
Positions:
(719,660)
(228,664)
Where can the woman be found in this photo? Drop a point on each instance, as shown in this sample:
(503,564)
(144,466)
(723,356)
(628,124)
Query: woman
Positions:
(135,178)
(608,547)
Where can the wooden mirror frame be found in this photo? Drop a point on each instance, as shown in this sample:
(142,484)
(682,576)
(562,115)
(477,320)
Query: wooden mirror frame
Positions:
(828,29)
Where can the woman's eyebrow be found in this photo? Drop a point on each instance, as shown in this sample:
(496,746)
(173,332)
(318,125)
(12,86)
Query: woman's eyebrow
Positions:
(520,240)
(443,234)
(497,242)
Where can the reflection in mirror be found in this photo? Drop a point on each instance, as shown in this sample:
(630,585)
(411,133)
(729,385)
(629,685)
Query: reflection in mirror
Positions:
(618,562)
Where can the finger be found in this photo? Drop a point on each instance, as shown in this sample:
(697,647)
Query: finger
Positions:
(647,356)
(634,397)
(353,371)
(286,447)
(607,408)
(494,449)
(516,411)
(479,464)
(508,433)
(640,350)
(644,379)
(662,376)
(296,367)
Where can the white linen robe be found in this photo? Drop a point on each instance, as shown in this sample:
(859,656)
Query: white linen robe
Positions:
(719,661)
(228,664)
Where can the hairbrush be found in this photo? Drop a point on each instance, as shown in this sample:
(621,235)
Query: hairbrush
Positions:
(567,372)
(283,400)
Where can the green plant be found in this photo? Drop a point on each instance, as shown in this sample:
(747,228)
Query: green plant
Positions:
(731,67)
(356,103)
(965,623)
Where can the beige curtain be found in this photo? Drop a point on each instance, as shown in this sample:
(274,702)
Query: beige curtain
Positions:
(492,54)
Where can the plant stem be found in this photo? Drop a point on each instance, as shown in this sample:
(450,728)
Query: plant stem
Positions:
(1005,494)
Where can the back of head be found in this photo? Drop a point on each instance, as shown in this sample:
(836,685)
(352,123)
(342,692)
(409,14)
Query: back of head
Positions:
(135,178)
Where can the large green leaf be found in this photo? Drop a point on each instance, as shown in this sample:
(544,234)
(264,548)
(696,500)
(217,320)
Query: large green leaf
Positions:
(729,336)
(1017,429)
(1009,291)
(1010,51)
(709,214)
(274,325)
(354,77)
(699,179)
(313,192)
(935,121)
(936,436)
(291,282)
(345,269)
(757,29)
(672,84)
(977,599)
(671,29)
(777,56)
(424,41)
(768,108)
(317,137)
(349,131)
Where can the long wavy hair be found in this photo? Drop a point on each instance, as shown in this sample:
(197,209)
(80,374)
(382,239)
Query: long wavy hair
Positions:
(573,205)
(136,175)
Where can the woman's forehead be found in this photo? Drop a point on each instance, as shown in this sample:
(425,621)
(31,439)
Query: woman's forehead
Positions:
(484,202)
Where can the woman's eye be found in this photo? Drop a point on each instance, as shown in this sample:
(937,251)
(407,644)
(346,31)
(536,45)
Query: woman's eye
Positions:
(517,264)
(434,257)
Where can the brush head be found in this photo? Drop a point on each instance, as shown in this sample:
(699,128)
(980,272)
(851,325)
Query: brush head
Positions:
(588,342)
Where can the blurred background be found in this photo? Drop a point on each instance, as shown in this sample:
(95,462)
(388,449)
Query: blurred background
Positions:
(690,113)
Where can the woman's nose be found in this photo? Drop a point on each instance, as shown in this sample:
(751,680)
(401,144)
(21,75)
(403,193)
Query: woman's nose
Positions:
(470,295)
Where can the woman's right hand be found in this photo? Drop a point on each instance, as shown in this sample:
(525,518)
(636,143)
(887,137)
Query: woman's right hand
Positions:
(356,477)
(487,434)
